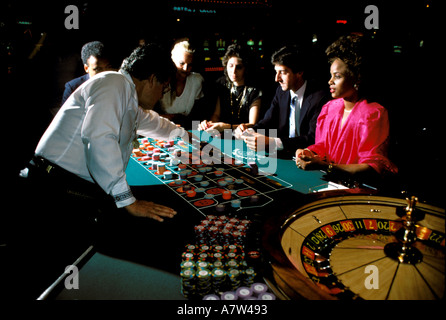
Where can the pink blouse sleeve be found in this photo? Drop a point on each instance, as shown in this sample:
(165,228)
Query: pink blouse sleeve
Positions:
(374,133)
(319,146)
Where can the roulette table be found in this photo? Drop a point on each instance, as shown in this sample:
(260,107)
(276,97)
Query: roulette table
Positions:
(314,245)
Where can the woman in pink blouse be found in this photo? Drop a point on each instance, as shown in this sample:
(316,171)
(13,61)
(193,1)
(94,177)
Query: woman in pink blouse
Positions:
(352,133)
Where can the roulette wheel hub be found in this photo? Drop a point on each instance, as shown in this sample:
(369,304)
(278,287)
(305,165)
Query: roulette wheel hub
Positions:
(403,251)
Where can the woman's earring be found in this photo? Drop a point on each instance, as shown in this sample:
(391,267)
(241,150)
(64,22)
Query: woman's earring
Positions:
(356,86)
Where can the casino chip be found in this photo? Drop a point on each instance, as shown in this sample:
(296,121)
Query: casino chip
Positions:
(243,292)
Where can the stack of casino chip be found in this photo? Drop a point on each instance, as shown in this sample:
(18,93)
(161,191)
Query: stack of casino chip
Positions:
(218,279)
(234,278)
(188,282)
(219,254)
(201,233)
(222,230)
(224,269)
(187,273)
(203,282)
(249,277)
(196,278)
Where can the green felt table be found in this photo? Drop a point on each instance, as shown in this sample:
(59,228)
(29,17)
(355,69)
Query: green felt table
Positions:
(284,168)
(105,276)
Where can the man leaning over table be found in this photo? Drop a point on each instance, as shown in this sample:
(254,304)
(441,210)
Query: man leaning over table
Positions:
(89,143)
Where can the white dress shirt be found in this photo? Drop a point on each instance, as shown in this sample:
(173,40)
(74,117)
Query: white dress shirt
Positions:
(92,134)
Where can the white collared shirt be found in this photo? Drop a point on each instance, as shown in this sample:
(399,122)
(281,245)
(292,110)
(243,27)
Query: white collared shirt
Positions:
(92,134)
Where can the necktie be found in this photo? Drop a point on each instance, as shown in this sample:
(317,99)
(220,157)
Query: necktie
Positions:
(297,117)
(294,118)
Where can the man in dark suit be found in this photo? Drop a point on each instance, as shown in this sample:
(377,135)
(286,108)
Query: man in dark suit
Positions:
(293,111)
(95,60)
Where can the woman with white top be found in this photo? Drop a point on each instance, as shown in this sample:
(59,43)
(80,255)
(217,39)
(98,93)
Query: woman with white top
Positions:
(186,86)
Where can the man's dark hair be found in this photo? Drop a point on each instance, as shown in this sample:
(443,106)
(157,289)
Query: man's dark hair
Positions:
(147,60)
(291,56)
(94,48)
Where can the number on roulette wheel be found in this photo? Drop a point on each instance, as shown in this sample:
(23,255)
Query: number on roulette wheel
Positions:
(359,247)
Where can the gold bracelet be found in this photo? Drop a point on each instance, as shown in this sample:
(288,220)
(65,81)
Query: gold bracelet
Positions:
(330,167)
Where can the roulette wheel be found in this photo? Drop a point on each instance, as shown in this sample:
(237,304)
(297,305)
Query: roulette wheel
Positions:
(358,246)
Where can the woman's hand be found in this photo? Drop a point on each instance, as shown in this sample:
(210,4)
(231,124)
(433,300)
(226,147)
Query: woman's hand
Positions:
(210,126)
(219,126)
(307,160)
(204,125)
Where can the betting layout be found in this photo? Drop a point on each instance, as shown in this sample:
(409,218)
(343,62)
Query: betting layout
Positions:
(211,184)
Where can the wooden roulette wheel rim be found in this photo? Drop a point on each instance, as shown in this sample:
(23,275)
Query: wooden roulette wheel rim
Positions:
(321,249)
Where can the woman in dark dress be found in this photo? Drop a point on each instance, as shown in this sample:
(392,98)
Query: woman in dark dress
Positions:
(238,98)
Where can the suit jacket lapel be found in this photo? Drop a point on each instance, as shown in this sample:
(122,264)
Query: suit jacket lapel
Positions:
(286,115)
(306,103)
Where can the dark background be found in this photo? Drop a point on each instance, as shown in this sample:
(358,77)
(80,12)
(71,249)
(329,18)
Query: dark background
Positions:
(406,46)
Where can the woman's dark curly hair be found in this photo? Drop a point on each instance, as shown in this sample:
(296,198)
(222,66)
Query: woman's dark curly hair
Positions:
(243,53)
(349,49)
